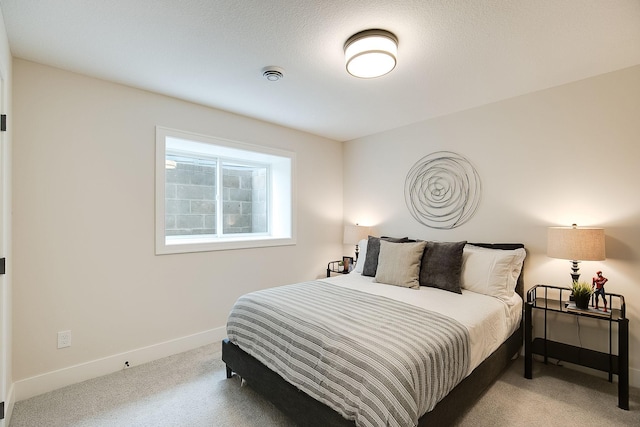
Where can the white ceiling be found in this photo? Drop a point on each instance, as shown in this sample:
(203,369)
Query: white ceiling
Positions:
(452,55)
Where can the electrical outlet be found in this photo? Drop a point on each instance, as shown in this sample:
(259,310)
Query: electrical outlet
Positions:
(64,339)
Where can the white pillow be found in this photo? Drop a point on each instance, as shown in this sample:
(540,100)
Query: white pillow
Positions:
(491,272)
(362,245)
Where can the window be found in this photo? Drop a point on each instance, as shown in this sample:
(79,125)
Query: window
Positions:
(215,194)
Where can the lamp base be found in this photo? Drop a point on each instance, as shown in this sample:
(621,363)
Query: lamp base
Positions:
(575,275)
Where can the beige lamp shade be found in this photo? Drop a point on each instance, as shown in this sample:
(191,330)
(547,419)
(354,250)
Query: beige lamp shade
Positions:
(354,233)
(576,243)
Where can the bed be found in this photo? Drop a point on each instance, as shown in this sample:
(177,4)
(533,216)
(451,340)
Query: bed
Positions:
(377,349)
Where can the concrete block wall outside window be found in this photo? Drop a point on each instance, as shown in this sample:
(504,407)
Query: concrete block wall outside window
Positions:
(244,200)
(190,198)
(259,200)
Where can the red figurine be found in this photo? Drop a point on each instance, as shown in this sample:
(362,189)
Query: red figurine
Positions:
(598,282)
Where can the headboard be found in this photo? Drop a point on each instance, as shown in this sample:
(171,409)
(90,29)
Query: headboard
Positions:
(507,246)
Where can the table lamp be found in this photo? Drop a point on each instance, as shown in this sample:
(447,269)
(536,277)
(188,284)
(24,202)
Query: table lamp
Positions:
(576,244)
(353,234)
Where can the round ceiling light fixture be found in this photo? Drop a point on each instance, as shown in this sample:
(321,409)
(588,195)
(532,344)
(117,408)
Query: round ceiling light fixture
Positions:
(273,73)
(371,53)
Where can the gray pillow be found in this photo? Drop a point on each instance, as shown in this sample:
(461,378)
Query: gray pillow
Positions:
(399,264)
(373,251)
(442,266)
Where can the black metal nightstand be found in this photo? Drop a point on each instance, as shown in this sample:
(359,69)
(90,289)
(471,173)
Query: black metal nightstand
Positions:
(335,267)
(556,299)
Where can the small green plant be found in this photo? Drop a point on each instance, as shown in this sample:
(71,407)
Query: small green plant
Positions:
(582,289)
(582,294)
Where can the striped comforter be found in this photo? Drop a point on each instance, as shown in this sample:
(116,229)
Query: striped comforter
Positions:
(374,360)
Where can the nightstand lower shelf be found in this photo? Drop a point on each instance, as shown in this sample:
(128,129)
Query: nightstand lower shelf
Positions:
(576,355)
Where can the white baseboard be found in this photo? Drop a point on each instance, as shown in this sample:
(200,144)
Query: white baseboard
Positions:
(53,380)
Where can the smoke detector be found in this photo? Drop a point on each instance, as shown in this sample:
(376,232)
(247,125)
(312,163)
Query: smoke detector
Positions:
(272,73)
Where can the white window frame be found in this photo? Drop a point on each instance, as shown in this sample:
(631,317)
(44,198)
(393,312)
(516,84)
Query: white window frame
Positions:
(281,204)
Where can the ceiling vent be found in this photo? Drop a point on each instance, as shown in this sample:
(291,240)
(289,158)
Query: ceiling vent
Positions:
(273,74)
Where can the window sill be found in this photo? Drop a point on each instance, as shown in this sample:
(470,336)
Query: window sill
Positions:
(180,245)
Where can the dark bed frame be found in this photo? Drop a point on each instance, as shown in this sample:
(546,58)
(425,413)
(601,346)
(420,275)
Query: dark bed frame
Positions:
(307,411)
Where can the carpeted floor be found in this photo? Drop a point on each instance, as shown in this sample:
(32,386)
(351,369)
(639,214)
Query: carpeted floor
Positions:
(191,389)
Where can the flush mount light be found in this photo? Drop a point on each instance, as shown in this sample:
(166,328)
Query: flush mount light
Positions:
(371,53)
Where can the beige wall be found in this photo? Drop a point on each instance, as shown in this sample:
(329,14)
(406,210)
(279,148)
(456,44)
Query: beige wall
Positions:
(84,221)
(550,158)
(84,156)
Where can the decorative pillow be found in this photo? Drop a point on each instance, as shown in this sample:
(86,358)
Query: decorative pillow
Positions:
(373,250)
(362,245)
(441,266)
(399,264)
(491,272)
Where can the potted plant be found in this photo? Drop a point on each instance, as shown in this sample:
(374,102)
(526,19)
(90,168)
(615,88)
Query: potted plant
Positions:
(582,294)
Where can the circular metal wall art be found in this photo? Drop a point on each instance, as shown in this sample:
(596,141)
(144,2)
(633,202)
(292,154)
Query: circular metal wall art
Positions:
(442,190)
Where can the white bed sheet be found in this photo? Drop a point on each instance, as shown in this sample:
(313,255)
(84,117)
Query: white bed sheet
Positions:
(490,321)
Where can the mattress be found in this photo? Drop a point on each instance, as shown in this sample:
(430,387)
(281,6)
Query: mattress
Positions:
(489,320)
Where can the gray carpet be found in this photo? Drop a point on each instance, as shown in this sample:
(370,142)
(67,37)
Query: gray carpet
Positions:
(191,389)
